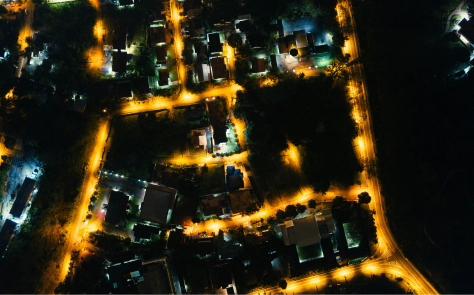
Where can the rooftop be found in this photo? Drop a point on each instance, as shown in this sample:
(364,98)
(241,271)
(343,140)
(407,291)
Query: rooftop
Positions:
(23,197)
(119,61)
(157,203)
(215,45)
(143,231)
(239,200)
(158,35)
(6,234)
(213,205)
(258,65)
(117,207)
(218,68)
(164,76)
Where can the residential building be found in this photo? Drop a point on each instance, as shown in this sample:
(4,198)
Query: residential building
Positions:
(119,42)
(234,179)
(116,208)
(215,205)
(6,234)
(203,246)
(159,277)
(214,41)
(23,197)
(220,19)
(239,200)
(144,231)
(119,62)
(161,55)
(194,30)
(124,90)
(202,72)
(256,40)
(466,31)
(218,68)
(143,86)
(158,36)
(158,204)
(165,177)
(222,279)
(321,48)
(125,3)
(164,77)
(198,139)
(192,8)
(258,65)
(158,13)
(124,277)
(200,50)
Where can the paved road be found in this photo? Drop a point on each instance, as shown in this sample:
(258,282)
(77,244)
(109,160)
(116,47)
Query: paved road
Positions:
(25,32)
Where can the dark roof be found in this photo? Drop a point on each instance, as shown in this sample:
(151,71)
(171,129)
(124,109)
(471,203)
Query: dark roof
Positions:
(203,246)
(143,231)
(213,205)
(321,48)
(309,36)
(244,25)
(142,85)
(281,32)
(256,40)
(301,39)
(175,238)
(125,2)
(158,173)
(221,276)
(219,134)
(156,279)
(170,179)
(23,197)
(117,207)
(160,53)
(6,234)
(218,68)
(290,41)
(216,113)
(258,65)
(215,44)
(156,204)
(274,61)
(157,35)
(467,29)
(123,270)
(124,89)
(282,47)
(121,257)
(119,61)
(163,77)
(252,238)
(194,29)
(239,200)
(200,49)
(120,38)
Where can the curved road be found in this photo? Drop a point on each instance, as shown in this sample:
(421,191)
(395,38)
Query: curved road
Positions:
(389,259)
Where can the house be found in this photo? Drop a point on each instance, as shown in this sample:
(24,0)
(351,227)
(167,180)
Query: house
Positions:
(119,62)
(164,77)
(123,90)
(116,208)
(234,179)
(143,86)
(239,200)
(165,177)
(124,3)
(161,55)
(256,40)
(282,46)
(466,31)
(218,68)
(301,39)
(200,49)
(198,139)
(203,247)
(219,19)
(202,72)
(176,238)
(23,197)
(158,277)
(124,277)
(119,43)
(158,204)
(144,231)
(219,136)
(325,224)
(214,41)
(158,36)
(258,65)
(158,13)
(243,26)
(192,8)
(6,234)
(194,30)
(252,239)
(215,206)
(222,279)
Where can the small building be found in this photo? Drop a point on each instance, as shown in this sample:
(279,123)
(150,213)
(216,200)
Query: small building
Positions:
(23,197)
(219,136)
(192,13)
(202,72)
(282,46)
(234,179)
(194,30)
(198,139)
(164,77)
(161,55)
(243,26)
(158,36)
(258,65)
(119,62)
(158,13)
(215,206)
(158,204)
(176,238)
(256,40)
(124,277)
(116,208)
(143,86)
(214,41)
(119,42)
(301,39)
(200,49)
(239,200)
(158,277)
(220,19)
(218,68)
(143,231)
(273,61)
(125,3)
(6,234)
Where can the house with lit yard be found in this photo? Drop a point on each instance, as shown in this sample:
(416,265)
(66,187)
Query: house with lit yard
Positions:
(158,204)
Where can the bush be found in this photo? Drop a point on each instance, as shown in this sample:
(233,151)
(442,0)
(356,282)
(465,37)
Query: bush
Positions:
(290,211)
(312,204)
(300,208)
(283,284)
(280,215)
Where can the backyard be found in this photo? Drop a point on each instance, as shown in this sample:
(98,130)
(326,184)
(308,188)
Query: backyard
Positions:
(352,234)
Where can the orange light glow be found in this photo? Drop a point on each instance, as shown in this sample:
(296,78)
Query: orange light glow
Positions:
(9,95)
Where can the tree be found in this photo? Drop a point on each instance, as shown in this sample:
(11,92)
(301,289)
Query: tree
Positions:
(91,207)
(251,208)
(3,10)
(312,204)
(234,40)
(280,215)
(283,284)
(196,219)
(364,198)
(290,211)
(337,202)
(93,199)
(300,208)
(89,216)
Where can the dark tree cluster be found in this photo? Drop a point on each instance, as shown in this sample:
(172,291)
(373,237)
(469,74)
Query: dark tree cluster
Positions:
(311,113)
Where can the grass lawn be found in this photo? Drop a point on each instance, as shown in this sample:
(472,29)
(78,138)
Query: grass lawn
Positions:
(232,143)
(310,252)
(352,234)
(213,181)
